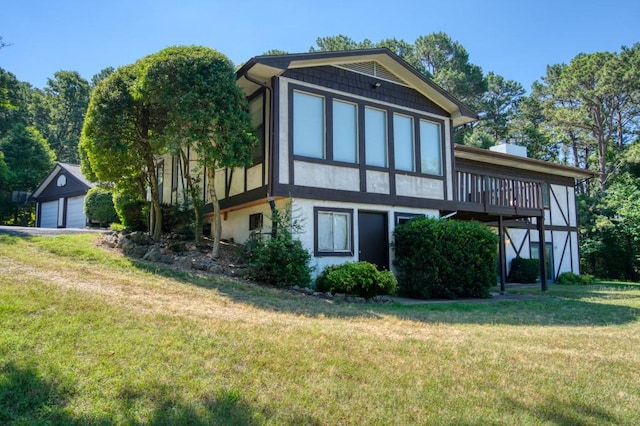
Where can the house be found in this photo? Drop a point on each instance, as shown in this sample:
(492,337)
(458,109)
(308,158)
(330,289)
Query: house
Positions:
(60,198)
(358,142)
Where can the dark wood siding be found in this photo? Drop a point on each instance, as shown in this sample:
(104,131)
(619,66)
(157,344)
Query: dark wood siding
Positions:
(362,85)
(73,188)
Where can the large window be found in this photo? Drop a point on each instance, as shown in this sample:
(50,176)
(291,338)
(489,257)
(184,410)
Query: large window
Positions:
(334,232)
(375,122)
(256,109)
(345,132)
(403,146)
(308,125)
(430,148)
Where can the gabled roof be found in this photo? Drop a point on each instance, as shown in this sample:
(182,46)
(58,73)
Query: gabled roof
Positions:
(522,163)
(72,169)
(264,68)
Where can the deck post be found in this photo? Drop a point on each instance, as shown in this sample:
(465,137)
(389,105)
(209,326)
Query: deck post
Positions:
(543,260)
(502,256)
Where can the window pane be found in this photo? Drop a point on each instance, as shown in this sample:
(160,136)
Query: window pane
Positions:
(257,122)
(340,232)
(431,161)
(345,132)
(403,142)
(308,125)
(375,137)
(325,234)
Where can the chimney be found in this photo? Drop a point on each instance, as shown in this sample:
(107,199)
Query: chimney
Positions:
(509,148)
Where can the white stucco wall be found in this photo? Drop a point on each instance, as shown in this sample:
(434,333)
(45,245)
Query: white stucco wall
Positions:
(331,177)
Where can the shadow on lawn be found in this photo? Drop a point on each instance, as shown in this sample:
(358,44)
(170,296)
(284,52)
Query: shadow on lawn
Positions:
(27,398)
(545,309)
(562,412)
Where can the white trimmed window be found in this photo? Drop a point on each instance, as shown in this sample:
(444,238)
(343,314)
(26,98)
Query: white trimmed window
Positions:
(308,125)
(345,132)
(430,148)
(403,142)
(333,232)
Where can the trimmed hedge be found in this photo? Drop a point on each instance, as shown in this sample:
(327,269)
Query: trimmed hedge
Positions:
(570,278)
(438,258)
(98,206)
(524,270)
(361,278)
(133,213)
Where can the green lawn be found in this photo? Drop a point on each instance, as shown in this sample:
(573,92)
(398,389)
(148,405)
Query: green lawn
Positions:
(88,336)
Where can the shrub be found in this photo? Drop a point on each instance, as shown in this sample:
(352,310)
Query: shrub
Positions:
(524,270)
(437,258)
(361,278)
(133,212)
(280,260)
(98,206)
(569,278)
(177,219)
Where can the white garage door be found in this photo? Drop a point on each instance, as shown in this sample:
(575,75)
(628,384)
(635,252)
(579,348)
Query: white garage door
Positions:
(49,214)
(75,212)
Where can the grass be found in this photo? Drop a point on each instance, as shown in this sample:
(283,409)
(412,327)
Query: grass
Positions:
(91,337)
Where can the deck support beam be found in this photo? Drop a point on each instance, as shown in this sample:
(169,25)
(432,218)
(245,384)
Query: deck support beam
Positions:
(502,255)
(543,260)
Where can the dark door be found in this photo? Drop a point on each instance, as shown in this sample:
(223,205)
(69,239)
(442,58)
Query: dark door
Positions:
(373,238)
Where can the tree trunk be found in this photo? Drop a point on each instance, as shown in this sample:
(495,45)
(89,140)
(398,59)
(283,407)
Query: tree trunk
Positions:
(155,227)
(193,194)
(216,229)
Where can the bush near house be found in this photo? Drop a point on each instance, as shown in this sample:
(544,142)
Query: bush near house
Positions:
(361,278)
(133,212)
(280,259)
(437,258)
(524,270)
(569,278)
(98,206)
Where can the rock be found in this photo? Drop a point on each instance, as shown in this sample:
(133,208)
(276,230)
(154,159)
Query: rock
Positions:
(139,251)
(183,262)
(110,240)
(328,295)
(141,238)
(295,288)
(153,254)
(168,259)
(126,245)
(216,269)
(200,266)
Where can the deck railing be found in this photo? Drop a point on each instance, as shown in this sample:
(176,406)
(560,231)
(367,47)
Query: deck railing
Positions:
(495,191)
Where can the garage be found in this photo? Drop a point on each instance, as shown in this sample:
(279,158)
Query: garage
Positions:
(49,214)
(60,198)
(75,212)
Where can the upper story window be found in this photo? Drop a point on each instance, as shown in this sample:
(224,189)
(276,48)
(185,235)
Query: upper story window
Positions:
(403,142)
(345,131)
(256,109)
(430,148)
(375,135)
(308,125)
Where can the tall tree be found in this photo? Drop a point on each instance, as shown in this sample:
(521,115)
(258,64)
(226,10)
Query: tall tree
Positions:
(339,42)
(447,62)
(104,73)
(67,97)
(499,105)
(205,110)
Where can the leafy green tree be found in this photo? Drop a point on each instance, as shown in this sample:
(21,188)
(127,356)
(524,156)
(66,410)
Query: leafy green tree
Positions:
(447,62)
(121,136)
(499,105)
(339,42)
(204,109)
(4,172)
(11,104)
(27,160)
(104,73)
(67,97)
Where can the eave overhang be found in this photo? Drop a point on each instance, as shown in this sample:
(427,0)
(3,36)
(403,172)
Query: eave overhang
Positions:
(522,163)
(264,68)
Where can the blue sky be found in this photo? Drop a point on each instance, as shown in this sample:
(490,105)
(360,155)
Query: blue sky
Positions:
(516,39)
